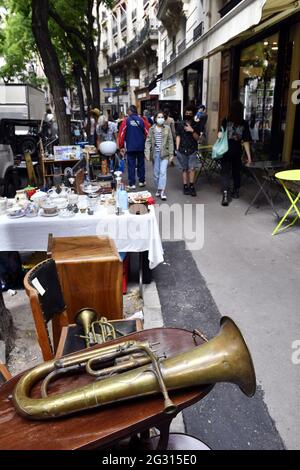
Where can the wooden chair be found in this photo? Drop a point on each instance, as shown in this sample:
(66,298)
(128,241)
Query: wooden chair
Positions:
(32,179)
(47,304)
(4,374)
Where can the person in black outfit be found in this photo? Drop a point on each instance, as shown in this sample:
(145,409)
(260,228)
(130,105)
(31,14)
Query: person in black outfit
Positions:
(239,138)
(187,136)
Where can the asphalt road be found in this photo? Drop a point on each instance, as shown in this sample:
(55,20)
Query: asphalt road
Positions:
(225,419)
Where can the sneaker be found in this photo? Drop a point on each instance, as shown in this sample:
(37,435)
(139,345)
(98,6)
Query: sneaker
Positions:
(193,190)
(132,187)
(235,194)
(186,190)
(163,196)
(158,193)
(225,202)
(142,185)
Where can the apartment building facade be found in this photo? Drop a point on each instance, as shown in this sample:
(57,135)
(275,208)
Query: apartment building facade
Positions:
(246,50)
(170,53)
(188,75)
(128,58)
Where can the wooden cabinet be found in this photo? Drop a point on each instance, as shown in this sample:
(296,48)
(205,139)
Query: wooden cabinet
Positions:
(90,273)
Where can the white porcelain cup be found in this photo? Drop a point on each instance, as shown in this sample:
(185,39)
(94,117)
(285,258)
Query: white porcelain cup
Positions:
(3,205)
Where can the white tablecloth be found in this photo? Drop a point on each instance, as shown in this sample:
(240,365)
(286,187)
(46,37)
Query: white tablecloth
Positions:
(131,233)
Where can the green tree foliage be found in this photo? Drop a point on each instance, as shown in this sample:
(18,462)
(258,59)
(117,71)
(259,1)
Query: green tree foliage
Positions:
(74,33)
(17,46)
(70,31)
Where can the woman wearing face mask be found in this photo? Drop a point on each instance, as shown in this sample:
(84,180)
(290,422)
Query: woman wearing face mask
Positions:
(160,149)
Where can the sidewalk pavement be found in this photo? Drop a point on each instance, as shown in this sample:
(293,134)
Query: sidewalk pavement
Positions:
(253,278)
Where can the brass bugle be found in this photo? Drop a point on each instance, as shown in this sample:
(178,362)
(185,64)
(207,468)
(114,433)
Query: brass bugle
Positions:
(225,358)
(85,317)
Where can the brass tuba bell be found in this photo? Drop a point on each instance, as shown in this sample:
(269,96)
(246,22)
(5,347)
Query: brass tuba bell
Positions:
(224,358)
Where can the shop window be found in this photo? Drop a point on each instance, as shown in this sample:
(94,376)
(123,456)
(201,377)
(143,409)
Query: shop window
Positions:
(257,81)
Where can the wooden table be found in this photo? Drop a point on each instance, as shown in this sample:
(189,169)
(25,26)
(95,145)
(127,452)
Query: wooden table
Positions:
(102,427)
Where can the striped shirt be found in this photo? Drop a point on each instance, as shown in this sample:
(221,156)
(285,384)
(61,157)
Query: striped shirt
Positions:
(158,138)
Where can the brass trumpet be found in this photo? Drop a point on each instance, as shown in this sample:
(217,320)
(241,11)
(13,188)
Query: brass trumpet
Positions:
(87,318)
(225,358)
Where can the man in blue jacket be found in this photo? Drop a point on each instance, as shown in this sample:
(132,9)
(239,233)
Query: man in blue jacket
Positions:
(133,133)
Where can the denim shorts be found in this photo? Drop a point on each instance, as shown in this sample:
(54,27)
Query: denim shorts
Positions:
(187,162)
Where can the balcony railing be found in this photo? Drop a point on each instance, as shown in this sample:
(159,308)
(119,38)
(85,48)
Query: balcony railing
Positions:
(172,56)
(198,31)
(182,47)
(146,33)
(122,51)
(113,58)
(165,6)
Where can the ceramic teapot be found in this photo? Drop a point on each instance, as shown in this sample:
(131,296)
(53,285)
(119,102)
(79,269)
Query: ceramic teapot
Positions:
(55,192)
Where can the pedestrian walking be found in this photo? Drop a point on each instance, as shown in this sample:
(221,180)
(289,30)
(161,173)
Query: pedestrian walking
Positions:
(147,116)
(160,149)
(94,115)
(187,136)
(239,138)
(202,117)
(106,131)
(132,135)
(169,121)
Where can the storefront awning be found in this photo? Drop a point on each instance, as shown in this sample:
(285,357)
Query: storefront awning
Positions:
(240,20)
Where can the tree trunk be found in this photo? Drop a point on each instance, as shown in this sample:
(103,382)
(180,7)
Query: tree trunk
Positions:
(77,77)
(95,77)
(6,327)
(40,16)
(92,57)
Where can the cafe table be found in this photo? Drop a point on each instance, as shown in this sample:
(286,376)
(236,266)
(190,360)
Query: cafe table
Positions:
(290,180)
(262,173)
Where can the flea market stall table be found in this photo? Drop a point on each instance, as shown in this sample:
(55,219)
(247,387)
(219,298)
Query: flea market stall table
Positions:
(130,232)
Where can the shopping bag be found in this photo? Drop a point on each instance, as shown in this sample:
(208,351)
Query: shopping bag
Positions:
(221,145)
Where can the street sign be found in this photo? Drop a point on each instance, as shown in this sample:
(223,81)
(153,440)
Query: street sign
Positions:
(110,90)
(134,82)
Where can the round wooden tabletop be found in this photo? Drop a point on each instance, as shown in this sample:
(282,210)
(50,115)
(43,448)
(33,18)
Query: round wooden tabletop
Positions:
(103,426)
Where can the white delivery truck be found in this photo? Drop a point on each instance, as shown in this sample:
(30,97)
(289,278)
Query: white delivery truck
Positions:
(21,101)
